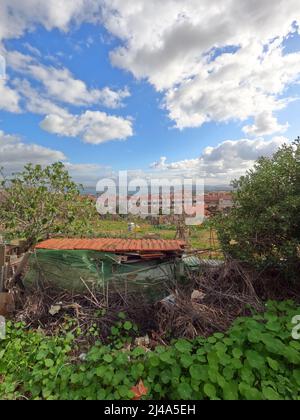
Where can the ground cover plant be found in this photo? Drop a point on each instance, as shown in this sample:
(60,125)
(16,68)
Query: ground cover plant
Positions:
(257,359)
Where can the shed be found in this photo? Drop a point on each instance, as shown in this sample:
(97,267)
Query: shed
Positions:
(147,266)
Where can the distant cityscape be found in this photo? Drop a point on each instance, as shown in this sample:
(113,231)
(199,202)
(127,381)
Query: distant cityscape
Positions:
(214,202)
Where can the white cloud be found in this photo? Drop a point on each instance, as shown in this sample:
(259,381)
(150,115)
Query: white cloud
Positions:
(235,86)
(35,101)
(265,124)
(92,127)
(18,16)
(228,160)
(14,154)
(88,174)
(184,165)
(60,84)
(214,61)
(9,98)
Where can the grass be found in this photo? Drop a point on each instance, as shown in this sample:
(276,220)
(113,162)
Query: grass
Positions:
(201,237)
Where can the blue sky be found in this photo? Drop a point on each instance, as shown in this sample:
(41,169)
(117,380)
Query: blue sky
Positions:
(186,98)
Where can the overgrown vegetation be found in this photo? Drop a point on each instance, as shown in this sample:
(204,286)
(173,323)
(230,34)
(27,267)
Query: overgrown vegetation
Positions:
(256,359)
(200,344)
(263,228)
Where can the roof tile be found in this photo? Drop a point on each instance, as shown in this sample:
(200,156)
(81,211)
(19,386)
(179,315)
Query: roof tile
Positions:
(113,245)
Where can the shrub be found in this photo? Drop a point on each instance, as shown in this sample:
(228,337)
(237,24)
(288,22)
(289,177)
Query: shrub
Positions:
(263,228)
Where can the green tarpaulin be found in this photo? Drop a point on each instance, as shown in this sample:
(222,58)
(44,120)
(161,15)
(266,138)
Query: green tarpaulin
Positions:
(71,270)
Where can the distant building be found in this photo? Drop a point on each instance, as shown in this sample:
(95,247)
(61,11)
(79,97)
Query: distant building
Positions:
(220,201)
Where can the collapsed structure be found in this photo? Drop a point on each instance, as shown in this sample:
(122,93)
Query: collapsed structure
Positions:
(124,266)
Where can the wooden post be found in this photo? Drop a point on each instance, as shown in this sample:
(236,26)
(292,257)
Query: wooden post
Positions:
(2,267)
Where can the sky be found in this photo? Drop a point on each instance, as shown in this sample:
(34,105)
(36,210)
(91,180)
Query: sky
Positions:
(157,88)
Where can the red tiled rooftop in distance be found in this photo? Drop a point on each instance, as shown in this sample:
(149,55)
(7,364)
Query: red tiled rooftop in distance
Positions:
(113,245)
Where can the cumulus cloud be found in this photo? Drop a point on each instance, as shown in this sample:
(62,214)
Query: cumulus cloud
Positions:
(14,153)
(265,124)
(235,86)
(214,61)
(59,89)
(183,165)
(60,84)
(226,161)
(35,101)
(93,127)
(9,98)
(18,16)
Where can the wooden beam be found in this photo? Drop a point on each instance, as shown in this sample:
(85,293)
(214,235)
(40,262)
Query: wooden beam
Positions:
(2,267)
(2,255)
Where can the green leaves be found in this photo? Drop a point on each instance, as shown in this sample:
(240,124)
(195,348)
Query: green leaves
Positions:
(210,391)
(230,391)
(255,360)
(273,364)
(186,360)
(249,393)
(270,394)
(237,353)
(107,358)
(128,325)
(263,228)
(49,363)
(183,346)
(42,201)
(185,391)
(269,368)
(198,372)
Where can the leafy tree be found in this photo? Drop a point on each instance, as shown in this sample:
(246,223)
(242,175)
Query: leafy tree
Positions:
(41,201)
(263,227)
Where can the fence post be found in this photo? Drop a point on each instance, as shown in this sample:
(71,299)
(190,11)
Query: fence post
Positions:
(2,267)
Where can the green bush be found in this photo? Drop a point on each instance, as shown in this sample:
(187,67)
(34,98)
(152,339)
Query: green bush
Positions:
(257,359)
(263,227)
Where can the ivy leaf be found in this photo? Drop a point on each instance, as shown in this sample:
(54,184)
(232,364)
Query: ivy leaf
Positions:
(237,353)
(210,391)
(273,364)
(196,372)
(185,391)
(183,346)
(249,392)
(230,391)
(127,325)
(186,360)
(270,394)
(255,359)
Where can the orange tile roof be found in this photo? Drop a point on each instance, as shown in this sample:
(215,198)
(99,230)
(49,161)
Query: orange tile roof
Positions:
(113,245)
